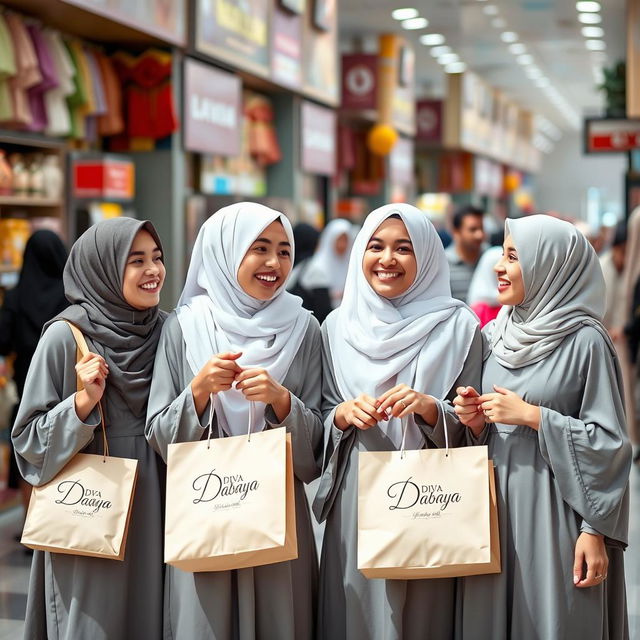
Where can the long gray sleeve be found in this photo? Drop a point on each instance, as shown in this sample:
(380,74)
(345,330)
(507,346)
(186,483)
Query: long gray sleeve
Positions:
(47,432)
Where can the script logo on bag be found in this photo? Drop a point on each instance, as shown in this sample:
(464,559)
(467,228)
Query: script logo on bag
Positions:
(88,502)
(209,487)
(406,494)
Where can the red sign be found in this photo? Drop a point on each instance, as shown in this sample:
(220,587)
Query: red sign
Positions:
(359,81)
(318,139)
(429,121)
(104,178)
(211,110)
(608,135)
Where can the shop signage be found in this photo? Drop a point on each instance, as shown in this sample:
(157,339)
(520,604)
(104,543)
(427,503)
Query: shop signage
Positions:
(211,110)
(429,121)
(286,48)
(359,81)
(401,162)
(318,139)
(236,32)
(103,178)
(607,135)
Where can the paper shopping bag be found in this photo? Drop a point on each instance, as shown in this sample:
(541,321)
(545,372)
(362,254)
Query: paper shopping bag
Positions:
(230,502)
(428,513)
(85,509)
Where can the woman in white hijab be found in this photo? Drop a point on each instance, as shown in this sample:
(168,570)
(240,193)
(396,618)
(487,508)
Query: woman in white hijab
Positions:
(552,415)
(398,336)
(239,336)
(483,290)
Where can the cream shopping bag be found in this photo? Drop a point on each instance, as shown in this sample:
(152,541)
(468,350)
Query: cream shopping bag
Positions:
(427,513)
(85,509)
(230,502)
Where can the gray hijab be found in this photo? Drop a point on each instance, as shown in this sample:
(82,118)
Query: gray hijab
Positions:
(125,337)
(564,289)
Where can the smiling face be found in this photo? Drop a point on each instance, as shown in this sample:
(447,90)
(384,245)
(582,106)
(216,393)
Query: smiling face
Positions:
(389,263)
(510,282)
(266,264)
(144,274)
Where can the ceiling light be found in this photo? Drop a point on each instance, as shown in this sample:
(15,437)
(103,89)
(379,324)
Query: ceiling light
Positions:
(499,23)
(456,67)
(517,48)
(414,23)
(404,14)
(509,36)
(542,82)
(595,45)
(525,59)
(533,72)
(588,7)
(431,39)
(448,58)
(599,56)
(590,18)
(490,10)
(592,32)
(436,52)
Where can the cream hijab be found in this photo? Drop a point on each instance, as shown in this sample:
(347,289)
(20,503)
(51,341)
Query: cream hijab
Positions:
(421,338)
(564,289)
(216,315)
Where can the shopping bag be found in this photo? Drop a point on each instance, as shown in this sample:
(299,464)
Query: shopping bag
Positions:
(230,502)
(427,513)
(85,509)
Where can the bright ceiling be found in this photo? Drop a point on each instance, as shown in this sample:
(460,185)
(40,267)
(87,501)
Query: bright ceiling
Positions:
(550,31)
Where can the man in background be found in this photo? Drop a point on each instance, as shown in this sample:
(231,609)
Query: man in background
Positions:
(463,254)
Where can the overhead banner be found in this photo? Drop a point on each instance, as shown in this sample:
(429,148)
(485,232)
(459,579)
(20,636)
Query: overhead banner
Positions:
(286,48)
(359,81)
(429,121)
(318,139)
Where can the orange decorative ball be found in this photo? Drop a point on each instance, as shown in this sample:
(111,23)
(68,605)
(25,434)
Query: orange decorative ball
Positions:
(512,181)
(381,139)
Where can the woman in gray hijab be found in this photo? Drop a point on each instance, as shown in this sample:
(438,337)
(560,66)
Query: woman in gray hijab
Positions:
(113,280)
(552,415)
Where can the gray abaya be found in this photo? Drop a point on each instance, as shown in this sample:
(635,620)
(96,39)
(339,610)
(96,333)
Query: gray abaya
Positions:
(352,607)
(72,597)
(274,601)
(568,477)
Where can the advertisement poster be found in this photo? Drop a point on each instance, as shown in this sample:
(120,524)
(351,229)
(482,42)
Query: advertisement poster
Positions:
(318,139)
(286,48)
(321,53)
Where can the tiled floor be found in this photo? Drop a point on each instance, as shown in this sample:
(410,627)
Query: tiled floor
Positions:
(14,569)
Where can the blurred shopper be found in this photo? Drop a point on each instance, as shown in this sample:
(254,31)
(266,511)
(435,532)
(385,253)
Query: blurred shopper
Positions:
(551,412)
(631,280)
(483,291)
(112,279)
(236,325)
(397,336)
(38,297)
(306,237)
(464,253)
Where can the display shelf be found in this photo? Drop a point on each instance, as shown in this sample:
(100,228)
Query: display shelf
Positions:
(29,201)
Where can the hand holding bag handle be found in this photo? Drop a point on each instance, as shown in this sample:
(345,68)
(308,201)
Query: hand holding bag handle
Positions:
(82,350)
(405,424)
(210,422)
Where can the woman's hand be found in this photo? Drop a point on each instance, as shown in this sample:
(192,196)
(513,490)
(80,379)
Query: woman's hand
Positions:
(360,412)
(257,385)
(92,371)
(467,407)
(402,400)
(218,374)
(590,551)
(508,407)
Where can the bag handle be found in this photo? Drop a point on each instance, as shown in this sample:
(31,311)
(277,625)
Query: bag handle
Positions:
(82,350)
(405,424)
(210,423)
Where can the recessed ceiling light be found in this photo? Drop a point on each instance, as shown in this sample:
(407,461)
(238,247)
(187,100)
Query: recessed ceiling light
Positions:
(599,56)
(592,32)
(595,45)
(517,48)
(448,58)
(509,36)
(456,67)
(490,10)
(498,23)
(587,7)
(590,18)
(542,82)
(436,52)
(525,59)
(431,39)
(404,14)
(414,23)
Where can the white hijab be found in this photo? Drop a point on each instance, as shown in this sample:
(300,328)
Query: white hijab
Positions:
(564,289)
(326,268)
(484,284)
(421,338)
(216,315)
